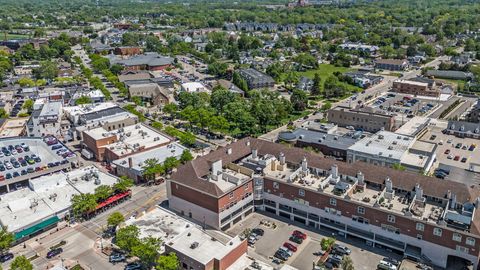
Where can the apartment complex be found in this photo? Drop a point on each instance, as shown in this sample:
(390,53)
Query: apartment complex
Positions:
(421,217)
(361,118)
(391,64)
(415,88)
(256,79)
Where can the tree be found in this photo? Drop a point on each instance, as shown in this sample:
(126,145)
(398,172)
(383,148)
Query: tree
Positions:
(3,113)
(103,192)
(347,263)
(170,108)
(220,98)
(47,70)
(327,243)
(399,167)
(147,250)
(167,262)
(123,184)
(83,203)
(21,263)
(317,85)
(170,163)
(115,219)
(127,237)
(291,79)
(83,100)
(186,156)
(299,100)
(6,239)
(326,106)
(26,82)
(151,168)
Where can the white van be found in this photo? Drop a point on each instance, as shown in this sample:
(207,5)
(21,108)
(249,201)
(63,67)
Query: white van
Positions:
(383,265)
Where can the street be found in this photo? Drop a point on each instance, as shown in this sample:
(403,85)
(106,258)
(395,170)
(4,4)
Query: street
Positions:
(83,240)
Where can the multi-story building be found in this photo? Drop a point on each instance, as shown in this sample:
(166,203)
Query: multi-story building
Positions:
(47,121)
(463,129)
(256,79)
(419,216)
(361,119)
(109,145)
(390,149)
(391,64)
(415,88)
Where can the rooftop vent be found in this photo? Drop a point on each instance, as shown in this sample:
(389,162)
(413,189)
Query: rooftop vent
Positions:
(194,245)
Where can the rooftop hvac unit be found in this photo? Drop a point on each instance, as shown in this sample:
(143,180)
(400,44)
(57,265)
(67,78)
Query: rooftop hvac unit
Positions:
(194,245)
(137,126)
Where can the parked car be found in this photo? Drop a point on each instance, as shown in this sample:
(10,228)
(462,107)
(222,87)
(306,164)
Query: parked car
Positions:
(456,158)
(464,159)
(391,260)
(447,152)
(342,249)
(286,251)
(281,255)
(258,231)
(133,266)
(384,265)
(54,252)
(6,256)
(295,239)
(290,246)
(299,234)
(116,257)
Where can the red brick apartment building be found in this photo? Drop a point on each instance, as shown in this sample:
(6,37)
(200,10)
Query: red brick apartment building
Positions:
(415,88)
(423,218)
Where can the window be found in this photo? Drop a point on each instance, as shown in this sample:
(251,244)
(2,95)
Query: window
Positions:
(230,195)
(462,249)
(333,201)
(470,241)
(275,185)
(457,237)
(301,192)
(420,227)
(391,218)
(361,210)
(437,231)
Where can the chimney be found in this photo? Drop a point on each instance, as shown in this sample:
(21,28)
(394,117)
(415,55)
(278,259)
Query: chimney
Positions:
(282,158)
(130,162)
(229,151)
(389,184)
(449,194)
(254,153)
(418,192)
(360,178)
(453,202)
(304,164)
(334,171)
(217,167)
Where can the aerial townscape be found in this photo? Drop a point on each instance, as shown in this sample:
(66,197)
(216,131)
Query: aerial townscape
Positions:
(235,135)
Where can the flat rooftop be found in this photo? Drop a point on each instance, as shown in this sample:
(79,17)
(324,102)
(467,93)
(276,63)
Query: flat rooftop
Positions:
(414,126)
(130,138)
(423,84)
(384,143)
(160,153)
(88,108)
(51,109)
(47,196)
(13,127)
(180,234)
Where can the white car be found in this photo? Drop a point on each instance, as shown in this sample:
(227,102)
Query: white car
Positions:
(386,265)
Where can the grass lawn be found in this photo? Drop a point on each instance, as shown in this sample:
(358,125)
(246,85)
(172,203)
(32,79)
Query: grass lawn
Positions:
(14,36)
(325,70)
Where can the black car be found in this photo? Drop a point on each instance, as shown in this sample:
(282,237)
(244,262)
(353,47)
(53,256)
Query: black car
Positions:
(296,240)
(258,231)
(281,255)
(54,252)
(5,257)
(133,266)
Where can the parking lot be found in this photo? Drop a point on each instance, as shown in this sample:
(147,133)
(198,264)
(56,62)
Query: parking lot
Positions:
(405,105)
(30,158)
(363,256)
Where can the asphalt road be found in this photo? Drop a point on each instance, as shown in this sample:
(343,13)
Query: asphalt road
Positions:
(83,239)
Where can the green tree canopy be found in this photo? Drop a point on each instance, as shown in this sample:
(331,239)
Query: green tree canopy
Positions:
(124,183)
(167,262)
(6,239)
(115,219)
(83,203)
(83,100)
(128,237)
(21,263)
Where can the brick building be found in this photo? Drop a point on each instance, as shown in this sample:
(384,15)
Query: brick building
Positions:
(415,88)
(423,218)
(127,51)
(361,118)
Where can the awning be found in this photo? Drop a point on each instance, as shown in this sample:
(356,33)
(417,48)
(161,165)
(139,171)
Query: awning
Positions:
(35,228)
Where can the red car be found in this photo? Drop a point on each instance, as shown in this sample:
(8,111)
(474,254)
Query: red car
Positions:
(299,234)
(447,151)
(290,246)
(456,158)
